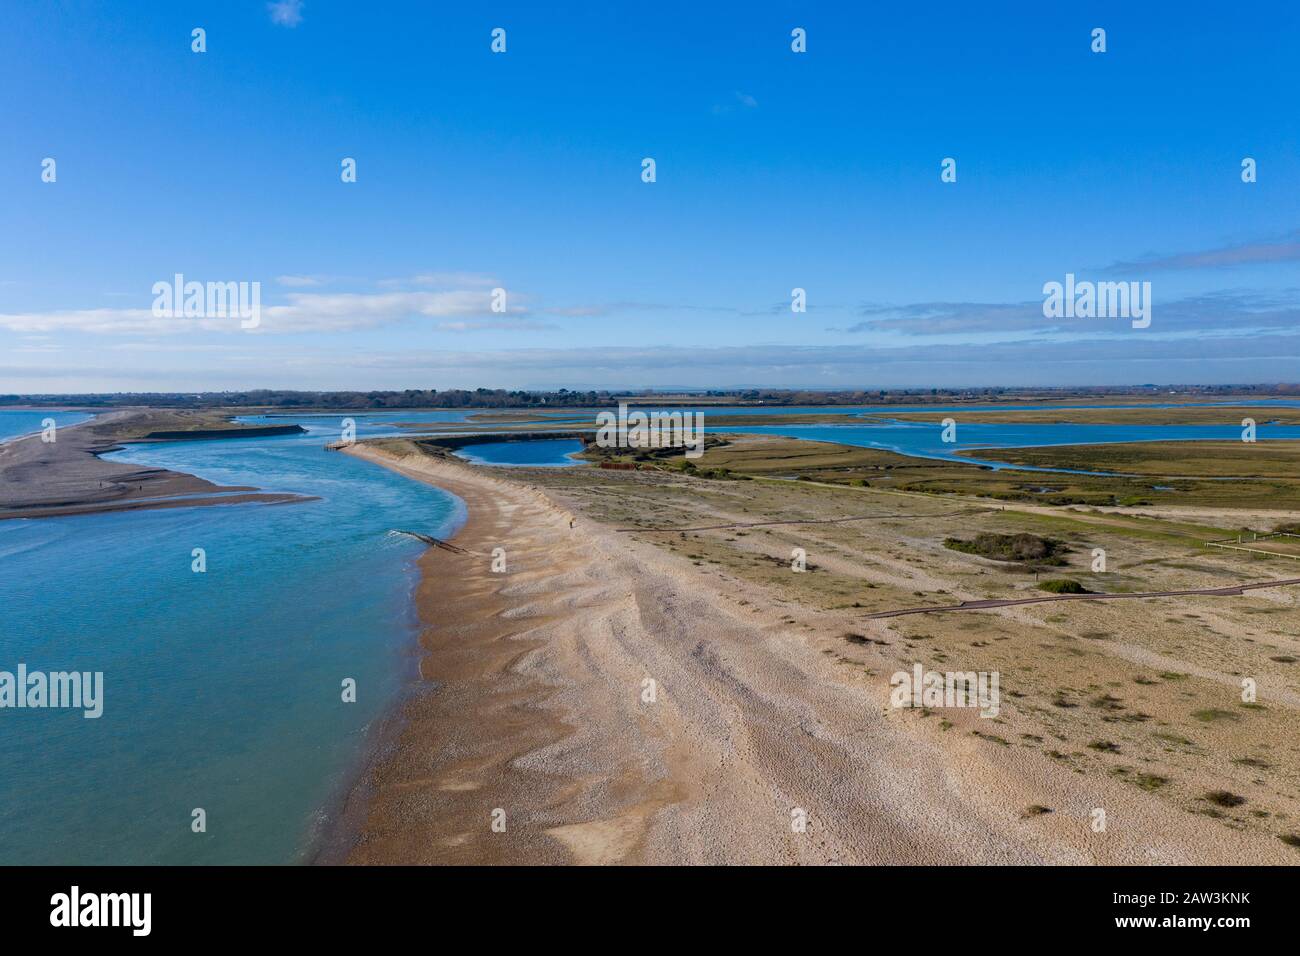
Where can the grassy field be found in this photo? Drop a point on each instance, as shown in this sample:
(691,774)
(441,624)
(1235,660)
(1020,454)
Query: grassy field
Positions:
(1171,473)
(1227,476)
(1271,460)
(1225,415)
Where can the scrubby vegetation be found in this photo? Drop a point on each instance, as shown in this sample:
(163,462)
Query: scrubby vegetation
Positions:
(689,467)
(1063,586)
(1225,798)
(1024,548)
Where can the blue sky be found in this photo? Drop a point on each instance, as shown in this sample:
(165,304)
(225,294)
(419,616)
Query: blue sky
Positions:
(522,171)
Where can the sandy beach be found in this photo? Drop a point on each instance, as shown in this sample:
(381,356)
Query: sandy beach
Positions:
(535,712)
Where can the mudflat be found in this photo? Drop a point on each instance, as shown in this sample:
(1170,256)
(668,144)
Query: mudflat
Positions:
(40,479)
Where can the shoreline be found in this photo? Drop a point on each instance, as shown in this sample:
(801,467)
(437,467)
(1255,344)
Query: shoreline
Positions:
(362,810)
(530,702)
(337,822)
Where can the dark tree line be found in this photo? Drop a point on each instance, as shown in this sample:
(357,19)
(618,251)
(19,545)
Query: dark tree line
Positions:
(565,398)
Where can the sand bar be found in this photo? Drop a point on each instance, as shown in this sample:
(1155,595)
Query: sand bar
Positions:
(40,479)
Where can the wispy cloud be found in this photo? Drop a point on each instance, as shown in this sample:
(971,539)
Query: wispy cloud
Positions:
(299,282)
(946,318)
(302,312)
(424,280)
(307,364)
(287,13)
(739,100)
(348,311)
(519,325)
(1268,252)
(1230,310)
(1146,359)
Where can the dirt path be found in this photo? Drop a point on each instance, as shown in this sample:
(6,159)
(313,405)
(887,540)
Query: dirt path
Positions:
(775,524)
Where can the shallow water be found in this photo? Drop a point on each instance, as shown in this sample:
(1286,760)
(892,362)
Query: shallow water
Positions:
(16,422)
(222,689)
(918,439)
(329,426)
(925,439)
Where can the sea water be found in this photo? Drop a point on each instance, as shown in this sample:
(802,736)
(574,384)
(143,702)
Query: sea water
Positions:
(18,421)
(222,690)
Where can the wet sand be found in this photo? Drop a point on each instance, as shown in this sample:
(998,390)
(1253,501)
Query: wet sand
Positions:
(41,479)
(534,710)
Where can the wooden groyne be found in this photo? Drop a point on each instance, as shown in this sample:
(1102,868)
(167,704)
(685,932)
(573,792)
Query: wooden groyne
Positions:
(431,540)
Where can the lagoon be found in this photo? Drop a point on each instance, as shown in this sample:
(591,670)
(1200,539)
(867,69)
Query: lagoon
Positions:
(544,452)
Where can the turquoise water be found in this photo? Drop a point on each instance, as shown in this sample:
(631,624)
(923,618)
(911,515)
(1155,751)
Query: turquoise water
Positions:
(222,690)
(15,422)
(329,427)
(925,439)
(918,439)
(547,452)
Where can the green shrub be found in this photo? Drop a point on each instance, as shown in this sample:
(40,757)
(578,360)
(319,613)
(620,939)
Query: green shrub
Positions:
(1063,586)
(1225,798)
(1012,547)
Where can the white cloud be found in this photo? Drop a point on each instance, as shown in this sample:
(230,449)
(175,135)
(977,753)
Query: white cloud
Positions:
(287,13)
(341,312)
(304,312)
(474,280)
(745,101)
(520,325)
(82,320)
